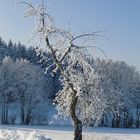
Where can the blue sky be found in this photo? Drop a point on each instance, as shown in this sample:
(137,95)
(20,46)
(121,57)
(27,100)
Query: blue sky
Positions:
(120,19)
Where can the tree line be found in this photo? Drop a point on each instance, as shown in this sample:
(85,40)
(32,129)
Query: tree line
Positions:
(24,83)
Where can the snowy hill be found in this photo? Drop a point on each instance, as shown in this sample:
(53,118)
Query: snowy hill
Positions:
(65,133)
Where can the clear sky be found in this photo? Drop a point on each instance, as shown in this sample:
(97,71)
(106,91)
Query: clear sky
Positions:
(120,19)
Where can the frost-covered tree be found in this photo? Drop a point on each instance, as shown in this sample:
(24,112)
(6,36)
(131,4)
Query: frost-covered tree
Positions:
(83,96)
(30,87)
(7,86)
(135,91)
(22,83)
(124,80)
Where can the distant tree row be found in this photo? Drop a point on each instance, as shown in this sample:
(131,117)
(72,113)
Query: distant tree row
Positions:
(18,61)
(25,81)
(115,84)
(23,84)
(125,80)
(17,51)
(33,55)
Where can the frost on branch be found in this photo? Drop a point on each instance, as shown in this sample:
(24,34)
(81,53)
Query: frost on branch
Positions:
(93,90)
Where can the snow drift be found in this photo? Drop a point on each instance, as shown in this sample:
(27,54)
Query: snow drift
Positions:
(65,133)
(21,135)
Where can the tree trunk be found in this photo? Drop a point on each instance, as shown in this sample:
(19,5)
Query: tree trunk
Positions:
(77,122)
(22,107)
(6,114)
(4,111)
(117,121)
(2,114)
(78,131)
(126,119)
(22,113)
(113,122)
(28,117)
(138,118)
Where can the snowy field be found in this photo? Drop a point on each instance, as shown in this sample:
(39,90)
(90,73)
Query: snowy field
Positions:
(65,133)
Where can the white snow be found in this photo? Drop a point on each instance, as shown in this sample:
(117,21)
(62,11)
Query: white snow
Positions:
(65,133)
(20,135)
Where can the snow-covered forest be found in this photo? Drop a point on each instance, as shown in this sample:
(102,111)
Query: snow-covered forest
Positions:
(27,91)
(59,84)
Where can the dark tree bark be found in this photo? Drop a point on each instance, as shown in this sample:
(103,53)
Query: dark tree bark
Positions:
(4,111)
(28,116)
(125,120)
(22,103)
(77,122)
(138,117)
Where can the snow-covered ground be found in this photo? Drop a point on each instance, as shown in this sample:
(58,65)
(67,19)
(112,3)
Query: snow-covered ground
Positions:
(65,133)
